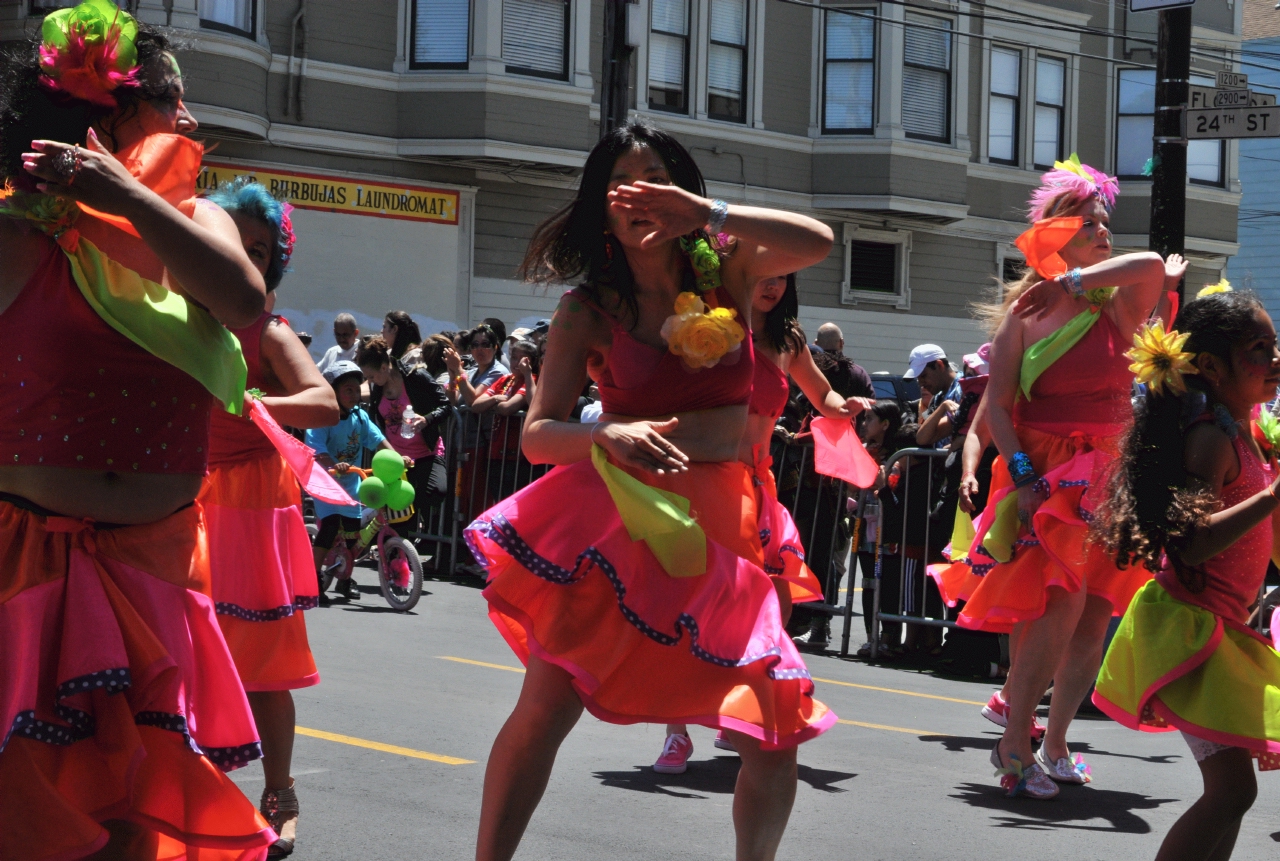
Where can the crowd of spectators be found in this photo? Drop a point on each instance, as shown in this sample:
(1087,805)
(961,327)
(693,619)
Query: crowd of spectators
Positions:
(415,384)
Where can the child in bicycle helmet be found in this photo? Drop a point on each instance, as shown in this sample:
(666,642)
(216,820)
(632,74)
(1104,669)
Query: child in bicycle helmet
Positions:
(340,447)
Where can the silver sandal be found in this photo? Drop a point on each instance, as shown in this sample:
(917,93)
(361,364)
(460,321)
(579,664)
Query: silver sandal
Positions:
(280,808)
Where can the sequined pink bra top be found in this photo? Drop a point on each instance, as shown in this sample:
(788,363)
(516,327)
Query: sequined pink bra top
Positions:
(1233,577)
(77,393)
(644,381)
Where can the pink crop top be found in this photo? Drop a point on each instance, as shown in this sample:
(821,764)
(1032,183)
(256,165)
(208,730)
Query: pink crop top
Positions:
(769,388)
(235,439)
(79,394)
(642,381)
(1086,390)
(1234,575)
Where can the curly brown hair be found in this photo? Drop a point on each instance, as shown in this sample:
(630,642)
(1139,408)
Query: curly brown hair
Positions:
(1151,508)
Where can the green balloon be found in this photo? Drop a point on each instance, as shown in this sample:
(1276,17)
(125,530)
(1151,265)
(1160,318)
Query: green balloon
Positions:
(399,495)
(388,466)
(373,492)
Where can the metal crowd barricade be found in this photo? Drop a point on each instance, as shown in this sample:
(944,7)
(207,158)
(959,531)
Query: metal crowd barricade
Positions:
(438,523)
(913,579)
(818,504)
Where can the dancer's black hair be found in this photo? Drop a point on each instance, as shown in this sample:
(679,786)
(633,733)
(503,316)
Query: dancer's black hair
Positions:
(1150,507)
(781,328)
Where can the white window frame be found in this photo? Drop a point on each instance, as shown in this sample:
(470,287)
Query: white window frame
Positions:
(749,16)
(218,26)
(1034,102)
(1019,103)
(416,65)
(952,71)
(901,297)
(565,70)
(824,62)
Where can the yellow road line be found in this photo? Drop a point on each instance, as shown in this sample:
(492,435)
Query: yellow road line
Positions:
(481,664)
(896,691)
(385,748)
(894,728)
(815,678)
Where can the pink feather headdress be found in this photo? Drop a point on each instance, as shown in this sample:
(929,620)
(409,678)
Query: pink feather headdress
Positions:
(288,238)
(88,52)
(1075,180)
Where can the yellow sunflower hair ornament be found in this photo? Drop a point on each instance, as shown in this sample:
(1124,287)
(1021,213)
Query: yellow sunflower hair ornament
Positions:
(1158,359)
(1223,286)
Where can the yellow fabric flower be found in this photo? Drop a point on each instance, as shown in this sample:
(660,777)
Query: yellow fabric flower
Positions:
(1158,360)
(699,336)
(1223,286)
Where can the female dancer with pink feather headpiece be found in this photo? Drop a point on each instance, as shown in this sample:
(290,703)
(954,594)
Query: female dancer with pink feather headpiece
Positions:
(1057,399)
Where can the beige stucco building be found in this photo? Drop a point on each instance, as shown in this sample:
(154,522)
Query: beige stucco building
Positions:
(423,139)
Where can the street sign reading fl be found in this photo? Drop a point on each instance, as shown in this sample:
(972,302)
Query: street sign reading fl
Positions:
(1208,97)
(1219,123)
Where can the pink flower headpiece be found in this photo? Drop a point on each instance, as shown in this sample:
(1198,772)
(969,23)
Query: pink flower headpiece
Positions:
(287,237)
(1077,181)
(88,51)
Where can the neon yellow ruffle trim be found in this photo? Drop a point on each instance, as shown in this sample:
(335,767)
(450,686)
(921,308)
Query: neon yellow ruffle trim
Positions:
(657,517)
(1043,353)
(161,322)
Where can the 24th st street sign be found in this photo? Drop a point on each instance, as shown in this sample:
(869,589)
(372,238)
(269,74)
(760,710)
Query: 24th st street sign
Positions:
(1219,123)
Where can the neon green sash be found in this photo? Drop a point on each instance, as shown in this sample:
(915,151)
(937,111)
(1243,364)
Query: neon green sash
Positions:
(1043,353)
(657,517)
(161,322)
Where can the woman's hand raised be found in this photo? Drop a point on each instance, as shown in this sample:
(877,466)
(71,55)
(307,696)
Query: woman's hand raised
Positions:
(89,174)
(673,211)
(641,444)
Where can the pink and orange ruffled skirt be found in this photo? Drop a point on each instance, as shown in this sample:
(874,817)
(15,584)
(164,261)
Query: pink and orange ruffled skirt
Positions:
(568,585)
(118,698)
(263,571)
(1007,573)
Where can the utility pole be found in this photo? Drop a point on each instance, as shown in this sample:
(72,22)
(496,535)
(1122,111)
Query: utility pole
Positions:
(615,80)
(1169,171)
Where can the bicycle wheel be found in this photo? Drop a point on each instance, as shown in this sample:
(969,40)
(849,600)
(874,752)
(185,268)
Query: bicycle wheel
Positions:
(338,563)
(399,573)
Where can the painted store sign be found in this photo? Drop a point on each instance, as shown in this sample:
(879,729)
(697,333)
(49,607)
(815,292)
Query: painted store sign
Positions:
(336,194)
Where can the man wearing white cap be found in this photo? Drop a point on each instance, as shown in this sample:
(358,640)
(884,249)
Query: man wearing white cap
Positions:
(939,394)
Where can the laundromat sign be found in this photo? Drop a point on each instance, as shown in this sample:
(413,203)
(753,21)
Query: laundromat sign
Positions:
(335,194)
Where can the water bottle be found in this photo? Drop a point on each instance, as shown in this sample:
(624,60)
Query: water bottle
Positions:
(407,430)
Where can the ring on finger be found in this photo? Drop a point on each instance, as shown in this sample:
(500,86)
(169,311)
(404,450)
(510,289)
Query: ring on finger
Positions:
(66,165)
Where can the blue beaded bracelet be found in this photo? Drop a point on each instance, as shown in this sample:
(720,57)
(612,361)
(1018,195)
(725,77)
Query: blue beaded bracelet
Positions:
(1071,282)
(1021,470)
(719,213)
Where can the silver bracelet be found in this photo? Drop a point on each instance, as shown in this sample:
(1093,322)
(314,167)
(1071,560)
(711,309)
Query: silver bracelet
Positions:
(719,212)
(592,435)
(1071,282)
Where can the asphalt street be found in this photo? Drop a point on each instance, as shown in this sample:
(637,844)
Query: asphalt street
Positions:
(392,745)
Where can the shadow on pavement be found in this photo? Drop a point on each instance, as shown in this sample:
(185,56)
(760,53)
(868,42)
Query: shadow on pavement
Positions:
(1073,808)
(716,775)
(959,744)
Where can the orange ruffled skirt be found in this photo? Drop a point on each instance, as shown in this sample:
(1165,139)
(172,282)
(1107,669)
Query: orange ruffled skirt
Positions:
(263,571)
(567,584)
(118,698)
(1058,553)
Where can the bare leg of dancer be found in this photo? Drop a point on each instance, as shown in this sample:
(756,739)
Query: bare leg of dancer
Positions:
(522,756)
(274,714)
(1207,831)
(762,798)
(1040,649)
(1076,673)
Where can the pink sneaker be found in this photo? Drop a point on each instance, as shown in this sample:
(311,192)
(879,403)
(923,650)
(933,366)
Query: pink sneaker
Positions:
(723,743)
(675,755)
(997,711)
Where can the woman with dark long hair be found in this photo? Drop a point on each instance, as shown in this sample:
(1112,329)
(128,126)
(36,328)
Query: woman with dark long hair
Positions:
(401,333)
(684,625)
(122,704)
(1192,497)
(259,550)
(781,355)
(1056,401)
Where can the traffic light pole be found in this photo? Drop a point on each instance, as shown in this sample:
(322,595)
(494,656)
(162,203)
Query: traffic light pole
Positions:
(615,80)
(1169,171)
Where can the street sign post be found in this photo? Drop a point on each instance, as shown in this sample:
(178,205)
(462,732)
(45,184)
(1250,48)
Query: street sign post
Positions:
(1219,123)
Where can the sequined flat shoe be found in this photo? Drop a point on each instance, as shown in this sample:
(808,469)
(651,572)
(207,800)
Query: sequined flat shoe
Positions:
(1016,780)
(1064,770)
